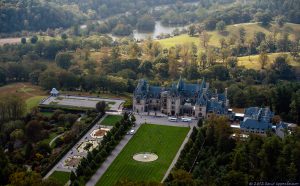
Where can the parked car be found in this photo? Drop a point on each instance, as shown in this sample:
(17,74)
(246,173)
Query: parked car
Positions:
(131,132)
(186,119)
(172,119)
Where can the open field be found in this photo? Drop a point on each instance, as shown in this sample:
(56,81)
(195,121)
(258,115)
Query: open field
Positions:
(15,40)
(31,94)
(61,177)
(232,30)
(111,120)
(33,102)
(253,63)
(161,140)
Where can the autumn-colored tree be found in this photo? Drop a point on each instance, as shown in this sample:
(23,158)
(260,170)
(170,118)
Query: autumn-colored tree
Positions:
(263,59)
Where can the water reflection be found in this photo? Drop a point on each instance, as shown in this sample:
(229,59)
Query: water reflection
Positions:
(158,30)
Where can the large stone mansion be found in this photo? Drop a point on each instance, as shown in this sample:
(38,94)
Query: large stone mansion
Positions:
(180,99)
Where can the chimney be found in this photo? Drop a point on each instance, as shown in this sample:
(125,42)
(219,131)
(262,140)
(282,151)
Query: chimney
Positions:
(207,85)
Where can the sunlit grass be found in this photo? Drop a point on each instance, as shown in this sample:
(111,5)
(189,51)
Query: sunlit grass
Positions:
(253,63)
(161,140)
(231,31)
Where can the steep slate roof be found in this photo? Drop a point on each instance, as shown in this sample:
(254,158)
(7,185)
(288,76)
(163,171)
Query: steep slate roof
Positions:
(154,91)
(282,125)
(215,106)
(263,114)
(250,123)
(141,89)
(257,118)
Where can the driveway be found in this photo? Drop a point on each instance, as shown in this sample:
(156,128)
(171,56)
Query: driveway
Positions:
(163,120)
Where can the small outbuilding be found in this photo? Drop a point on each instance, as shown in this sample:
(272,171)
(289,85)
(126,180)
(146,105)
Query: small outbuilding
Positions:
(54,92)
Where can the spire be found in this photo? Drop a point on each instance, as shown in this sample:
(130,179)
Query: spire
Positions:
(203,83)
(180,84)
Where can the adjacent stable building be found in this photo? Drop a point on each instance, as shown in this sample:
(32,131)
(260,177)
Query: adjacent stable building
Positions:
(180,99)
(257,120)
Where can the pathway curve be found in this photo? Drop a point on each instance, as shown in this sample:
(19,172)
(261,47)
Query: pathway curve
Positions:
(52,141)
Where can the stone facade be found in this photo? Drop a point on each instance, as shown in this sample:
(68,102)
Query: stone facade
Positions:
(180,99)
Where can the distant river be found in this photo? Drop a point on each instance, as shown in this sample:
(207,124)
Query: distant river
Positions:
(159,29)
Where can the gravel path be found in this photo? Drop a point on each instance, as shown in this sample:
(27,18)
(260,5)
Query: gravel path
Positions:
(52,141)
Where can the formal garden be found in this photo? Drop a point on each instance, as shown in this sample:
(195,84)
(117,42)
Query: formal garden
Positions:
(90,164)
(99,133)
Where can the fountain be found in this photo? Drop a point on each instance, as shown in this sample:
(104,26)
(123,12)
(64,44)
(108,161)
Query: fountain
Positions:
(145,157)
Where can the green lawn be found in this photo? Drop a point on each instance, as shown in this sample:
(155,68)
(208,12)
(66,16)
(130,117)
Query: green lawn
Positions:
(111,120)
(48,114)
(33,102)
(61,177)
(162,140)
(252,62)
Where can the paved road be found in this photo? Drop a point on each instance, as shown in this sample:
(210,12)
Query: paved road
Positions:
(110,159)
(163,121)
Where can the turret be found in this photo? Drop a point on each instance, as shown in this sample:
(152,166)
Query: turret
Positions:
(180,84)
(216,95)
